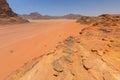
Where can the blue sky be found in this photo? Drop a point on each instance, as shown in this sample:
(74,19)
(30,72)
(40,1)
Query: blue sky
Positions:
(61,7)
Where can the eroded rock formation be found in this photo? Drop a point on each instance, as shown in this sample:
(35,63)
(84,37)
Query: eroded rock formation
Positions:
(5,10)
(7,15)
(102,20)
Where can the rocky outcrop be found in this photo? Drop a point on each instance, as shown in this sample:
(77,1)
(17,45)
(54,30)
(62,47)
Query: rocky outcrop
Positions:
(5,10)
(7,15)
(102,20)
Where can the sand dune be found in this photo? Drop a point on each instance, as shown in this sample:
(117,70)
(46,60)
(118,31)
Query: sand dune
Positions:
(23,42)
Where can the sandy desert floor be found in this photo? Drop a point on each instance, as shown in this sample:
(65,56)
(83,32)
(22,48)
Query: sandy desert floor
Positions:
(23,42)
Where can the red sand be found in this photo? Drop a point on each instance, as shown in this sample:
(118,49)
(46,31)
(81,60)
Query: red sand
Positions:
(20,43)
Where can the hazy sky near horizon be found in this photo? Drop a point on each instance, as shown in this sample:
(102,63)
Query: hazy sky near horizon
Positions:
(61,7)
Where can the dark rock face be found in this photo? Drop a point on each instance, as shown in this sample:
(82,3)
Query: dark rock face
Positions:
(7,16)
(5,10)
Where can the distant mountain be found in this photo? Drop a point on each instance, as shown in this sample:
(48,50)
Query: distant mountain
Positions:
(36,15)
(72,16)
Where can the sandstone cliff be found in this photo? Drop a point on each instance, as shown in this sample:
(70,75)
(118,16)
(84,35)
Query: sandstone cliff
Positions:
(7,15)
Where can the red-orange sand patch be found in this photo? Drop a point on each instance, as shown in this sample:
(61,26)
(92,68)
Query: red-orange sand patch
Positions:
(22,42)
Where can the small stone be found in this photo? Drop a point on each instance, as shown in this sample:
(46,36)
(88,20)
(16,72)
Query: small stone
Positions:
(93,50)
(55,74)
(68,59)
(57,66)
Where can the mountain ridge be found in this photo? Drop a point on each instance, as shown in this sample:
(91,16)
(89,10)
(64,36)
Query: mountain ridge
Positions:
(37,16)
